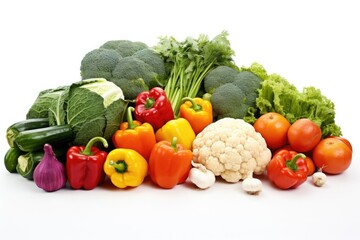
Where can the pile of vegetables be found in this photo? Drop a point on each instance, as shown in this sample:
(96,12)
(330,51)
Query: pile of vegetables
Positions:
(175,112)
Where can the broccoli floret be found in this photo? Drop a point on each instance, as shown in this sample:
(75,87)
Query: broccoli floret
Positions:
(152,58)
(219,76)
(132,72)
(99,63)
(133,66)
(229,101)
(248,82)
(124,47)
(233,92)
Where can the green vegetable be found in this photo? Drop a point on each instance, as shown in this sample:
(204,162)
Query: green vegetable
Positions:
(153,59)
(189,61)
(27,162)
(11,159)
(91,107)
(50,104)
(233,92)
(99,63)
(124,47)
(134,76)
(20,126)
(34,139)
(278,95)
(95,107)
(218,77)
(133,66)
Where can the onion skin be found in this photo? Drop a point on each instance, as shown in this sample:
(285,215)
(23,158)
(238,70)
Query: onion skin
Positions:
(49,174)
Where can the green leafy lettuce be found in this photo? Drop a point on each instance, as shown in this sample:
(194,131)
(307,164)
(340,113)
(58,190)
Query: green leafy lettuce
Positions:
(278,95)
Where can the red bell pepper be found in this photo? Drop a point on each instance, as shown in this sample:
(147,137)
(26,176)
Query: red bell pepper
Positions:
(153,107)
(84,165)
(287,169)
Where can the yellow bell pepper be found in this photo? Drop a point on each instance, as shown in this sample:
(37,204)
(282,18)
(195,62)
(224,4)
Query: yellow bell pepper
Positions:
(179,128)
(125,167)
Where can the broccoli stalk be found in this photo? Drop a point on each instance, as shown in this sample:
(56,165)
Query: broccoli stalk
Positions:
(189,62)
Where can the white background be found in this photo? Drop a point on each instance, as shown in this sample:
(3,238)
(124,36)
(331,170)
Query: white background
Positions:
(308,42)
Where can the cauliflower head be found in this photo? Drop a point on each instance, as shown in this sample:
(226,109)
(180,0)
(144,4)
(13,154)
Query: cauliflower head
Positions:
(232,149)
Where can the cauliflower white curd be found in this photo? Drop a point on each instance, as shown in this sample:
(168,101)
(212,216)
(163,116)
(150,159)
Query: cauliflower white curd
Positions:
(232,149)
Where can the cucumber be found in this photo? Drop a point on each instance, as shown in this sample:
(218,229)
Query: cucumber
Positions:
(27,162)
(28,124)
(34,140)
(11,159)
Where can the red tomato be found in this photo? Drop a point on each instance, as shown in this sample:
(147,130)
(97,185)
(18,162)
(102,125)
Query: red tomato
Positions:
(332,155)
(344,140)
(273,127)
(304,135)
(311,166)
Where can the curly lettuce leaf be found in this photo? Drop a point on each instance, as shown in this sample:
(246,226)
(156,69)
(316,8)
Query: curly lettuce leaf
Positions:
(278,95)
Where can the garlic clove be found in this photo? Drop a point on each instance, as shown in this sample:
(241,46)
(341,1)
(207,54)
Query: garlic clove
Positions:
(49,174)
(252,185)
(319,179)
(201,177)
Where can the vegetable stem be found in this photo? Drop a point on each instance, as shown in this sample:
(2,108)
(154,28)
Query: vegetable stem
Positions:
(149,103)
(129,118)
(120,166)
(292,162)
(190,61)
(194,106)
(174,144)
(87,150)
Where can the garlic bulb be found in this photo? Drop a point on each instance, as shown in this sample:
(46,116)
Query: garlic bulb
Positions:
(49,174)
(200,176)
(252,185)
(319,179)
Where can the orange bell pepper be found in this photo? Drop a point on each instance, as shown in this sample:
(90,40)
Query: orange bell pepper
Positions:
(198,112)
(135,135)
(170,163)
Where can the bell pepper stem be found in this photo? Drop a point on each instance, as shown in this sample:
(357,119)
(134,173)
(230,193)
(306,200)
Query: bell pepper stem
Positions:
(87,149)
(120,166)
(194,106)
(174,144)
(129,118)
(149,103)
(292,162)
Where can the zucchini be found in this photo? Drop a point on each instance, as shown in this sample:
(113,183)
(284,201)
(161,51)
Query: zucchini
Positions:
(28,124)
(34,140)
(27,162)
(11,159)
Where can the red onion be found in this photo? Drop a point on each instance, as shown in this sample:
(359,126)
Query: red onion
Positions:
(49,174)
